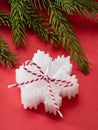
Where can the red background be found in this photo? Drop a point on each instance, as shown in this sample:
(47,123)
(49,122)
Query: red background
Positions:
(80,113)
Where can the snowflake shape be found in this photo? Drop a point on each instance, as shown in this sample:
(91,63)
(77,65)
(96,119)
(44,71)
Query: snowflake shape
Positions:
(44,80)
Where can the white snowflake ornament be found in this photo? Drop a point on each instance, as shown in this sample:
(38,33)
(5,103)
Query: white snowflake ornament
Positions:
(44,80)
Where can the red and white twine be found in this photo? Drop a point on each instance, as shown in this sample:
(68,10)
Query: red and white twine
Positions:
(45,77)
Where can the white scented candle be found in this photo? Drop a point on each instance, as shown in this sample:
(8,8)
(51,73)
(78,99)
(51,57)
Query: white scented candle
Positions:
(44,80)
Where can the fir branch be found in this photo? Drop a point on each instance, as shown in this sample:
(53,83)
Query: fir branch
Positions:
(6,57)
(89,5)
(66,36)
(18,21)
(85,7)
(43,32)
(56,29)
(5,19)
(39,23)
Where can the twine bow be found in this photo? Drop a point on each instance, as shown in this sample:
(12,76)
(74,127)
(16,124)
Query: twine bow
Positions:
(46,78)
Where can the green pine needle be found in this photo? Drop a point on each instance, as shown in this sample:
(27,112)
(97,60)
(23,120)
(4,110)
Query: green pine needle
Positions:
(18,21)
(6,57)
(5,19)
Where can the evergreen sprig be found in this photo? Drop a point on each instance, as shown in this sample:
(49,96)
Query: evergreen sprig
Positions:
(40,24)
(48,19)
(18,21)
(67,37)
(6,56)
(85,7)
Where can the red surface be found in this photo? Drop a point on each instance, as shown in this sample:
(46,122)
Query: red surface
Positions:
(80,113)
